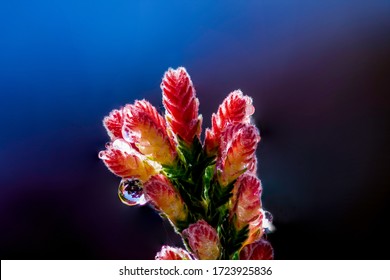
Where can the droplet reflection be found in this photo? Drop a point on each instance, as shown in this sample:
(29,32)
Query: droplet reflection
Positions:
(131,193)
(267,222)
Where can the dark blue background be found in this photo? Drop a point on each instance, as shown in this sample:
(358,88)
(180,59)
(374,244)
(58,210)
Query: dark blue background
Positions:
(318,72)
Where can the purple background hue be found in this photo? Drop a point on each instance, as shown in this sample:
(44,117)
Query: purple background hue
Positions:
(318,72)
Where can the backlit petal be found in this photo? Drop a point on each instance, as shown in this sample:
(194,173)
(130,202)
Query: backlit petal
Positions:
(165,198)
(181,104)
(203,240)
(173,253)
(146,128)
(125,162)
(260,250)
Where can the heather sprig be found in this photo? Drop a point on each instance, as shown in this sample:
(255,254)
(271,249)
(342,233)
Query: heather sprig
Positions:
(208,191)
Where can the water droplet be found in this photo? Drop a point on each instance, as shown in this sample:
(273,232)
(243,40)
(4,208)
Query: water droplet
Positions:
(267,222)
(268,216)
(131,193)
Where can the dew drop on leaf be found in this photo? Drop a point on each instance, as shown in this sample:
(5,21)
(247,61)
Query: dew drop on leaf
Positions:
(131,193)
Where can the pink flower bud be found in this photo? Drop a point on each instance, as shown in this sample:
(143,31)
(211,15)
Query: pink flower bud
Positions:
(260,250)
(165,198)
(172,253)
(181,104)
(144,126)
(246,202)
(236,108)
(113,124)
(236,152)
(203,240)
(126,162)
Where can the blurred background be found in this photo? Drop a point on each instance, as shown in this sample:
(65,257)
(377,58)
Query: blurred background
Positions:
(318,72)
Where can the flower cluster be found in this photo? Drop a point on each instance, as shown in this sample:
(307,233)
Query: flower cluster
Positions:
(208,191)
